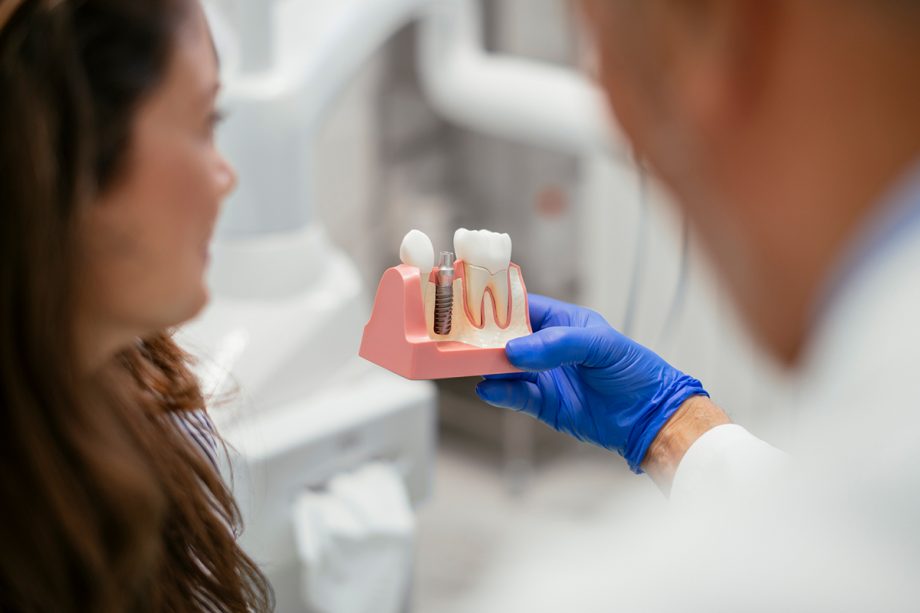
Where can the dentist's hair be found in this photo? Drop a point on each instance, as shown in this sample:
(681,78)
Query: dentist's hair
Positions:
(105,502)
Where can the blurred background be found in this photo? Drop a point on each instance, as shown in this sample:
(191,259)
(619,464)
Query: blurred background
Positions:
(352,122)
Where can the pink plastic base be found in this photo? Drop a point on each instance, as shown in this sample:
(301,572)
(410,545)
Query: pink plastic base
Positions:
(396,337)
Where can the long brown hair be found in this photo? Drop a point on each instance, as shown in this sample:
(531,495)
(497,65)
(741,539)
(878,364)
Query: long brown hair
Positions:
(105,502)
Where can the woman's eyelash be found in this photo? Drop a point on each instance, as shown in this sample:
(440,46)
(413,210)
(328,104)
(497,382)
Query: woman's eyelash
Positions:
(218,117)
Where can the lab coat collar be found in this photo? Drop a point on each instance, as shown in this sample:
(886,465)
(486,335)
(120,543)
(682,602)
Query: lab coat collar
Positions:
(894,224)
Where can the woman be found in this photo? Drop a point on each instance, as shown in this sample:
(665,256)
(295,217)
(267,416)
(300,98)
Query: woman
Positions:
(110,184)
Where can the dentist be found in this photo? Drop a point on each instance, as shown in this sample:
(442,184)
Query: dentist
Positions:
(789,134)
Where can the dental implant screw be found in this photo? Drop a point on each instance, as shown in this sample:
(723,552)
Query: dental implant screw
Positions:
(444,294)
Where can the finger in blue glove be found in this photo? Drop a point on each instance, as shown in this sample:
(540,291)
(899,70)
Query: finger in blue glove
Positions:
(586,379)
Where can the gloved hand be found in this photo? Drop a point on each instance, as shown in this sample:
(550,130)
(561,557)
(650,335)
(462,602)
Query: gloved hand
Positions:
(589,381)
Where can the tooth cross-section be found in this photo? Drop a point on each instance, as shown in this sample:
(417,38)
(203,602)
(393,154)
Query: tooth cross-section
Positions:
(487,258)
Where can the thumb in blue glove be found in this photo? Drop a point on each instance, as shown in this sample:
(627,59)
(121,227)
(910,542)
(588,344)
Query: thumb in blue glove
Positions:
(586,379)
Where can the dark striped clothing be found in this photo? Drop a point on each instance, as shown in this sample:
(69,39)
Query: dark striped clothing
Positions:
(198,426)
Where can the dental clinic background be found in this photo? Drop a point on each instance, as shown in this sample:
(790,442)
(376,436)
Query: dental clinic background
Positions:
(352,122)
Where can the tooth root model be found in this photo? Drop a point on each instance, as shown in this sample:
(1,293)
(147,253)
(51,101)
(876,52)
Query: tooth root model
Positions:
(487,260)
(449,320)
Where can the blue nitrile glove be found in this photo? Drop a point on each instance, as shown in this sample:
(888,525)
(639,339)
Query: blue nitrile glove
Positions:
(589,381)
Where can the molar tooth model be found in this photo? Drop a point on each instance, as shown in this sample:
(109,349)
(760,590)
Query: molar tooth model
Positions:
(453,318)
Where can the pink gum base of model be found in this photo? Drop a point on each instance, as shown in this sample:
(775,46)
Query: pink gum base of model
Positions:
(396,337)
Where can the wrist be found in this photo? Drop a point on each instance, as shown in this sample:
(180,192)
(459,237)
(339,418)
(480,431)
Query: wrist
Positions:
(695,417)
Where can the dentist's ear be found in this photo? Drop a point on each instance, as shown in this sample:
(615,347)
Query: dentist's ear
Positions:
(697,62)
(721,53)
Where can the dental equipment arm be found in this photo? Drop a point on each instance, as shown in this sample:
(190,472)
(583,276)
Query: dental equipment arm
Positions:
(277,101)
(288,95)
(515,98)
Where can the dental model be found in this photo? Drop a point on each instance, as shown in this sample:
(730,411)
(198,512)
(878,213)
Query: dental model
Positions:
(449,320)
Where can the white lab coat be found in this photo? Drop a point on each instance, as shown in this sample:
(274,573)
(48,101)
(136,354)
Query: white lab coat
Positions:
(833,522)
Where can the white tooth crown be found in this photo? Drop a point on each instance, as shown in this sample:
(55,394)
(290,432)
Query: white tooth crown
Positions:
(489,250)
(486,256)
(417,250)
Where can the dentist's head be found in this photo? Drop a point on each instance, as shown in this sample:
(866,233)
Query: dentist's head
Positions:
(777,125)
(110,184)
